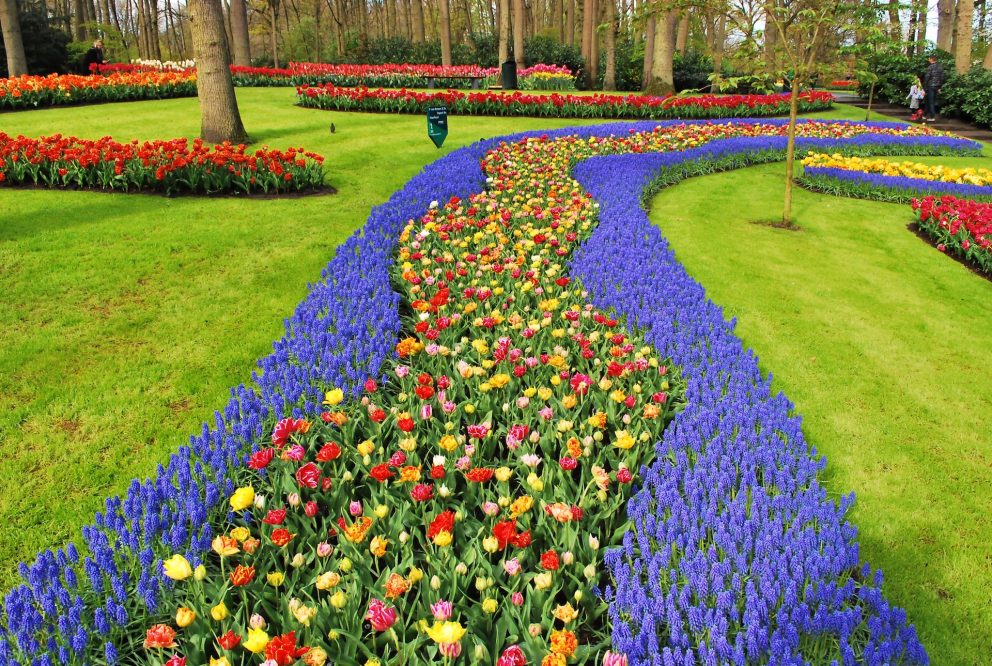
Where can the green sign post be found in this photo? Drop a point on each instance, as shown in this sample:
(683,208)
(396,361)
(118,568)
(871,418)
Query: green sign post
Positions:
(437,124)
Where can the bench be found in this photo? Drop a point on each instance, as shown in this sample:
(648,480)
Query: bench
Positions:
(475,79)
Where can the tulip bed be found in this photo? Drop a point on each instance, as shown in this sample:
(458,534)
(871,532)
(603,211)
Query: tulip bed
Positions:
(536,77)
(884,180)
(28,92)
(380,100)
(170,167)
(959,226)
(367,498)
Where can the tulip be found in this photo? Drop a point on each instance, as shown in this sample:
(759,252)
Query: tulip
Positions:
(177,567)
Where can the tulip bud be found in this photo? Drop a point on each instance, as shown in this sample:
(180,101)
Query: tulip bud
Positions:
(590,571)
(345,565)
(517,598)
(479,652)
(200,572)
(297,561)
(293,499)
(339,599)
(593,542)
(567,557)
(435,583)
(381,511)
(480,584)
(534,630)
(461,569)
(219,612)
(490,544)
(404,536)
(185,616)
(257,621)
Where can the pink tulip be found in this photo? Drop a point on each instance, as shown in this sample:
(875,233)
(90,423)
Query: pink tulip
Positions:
(380,616)
(512,656)
(611,658)
(517,598)
(450,650)
(442,610)
(355,508)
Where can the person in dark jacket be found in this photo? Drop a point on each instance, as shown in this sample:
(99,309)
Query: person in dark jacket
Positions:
(93,57)
(932,82)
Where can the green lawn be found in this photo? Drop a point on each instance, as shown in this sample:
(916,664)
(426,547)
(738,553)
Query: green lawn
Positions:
(126,318)
(881,342)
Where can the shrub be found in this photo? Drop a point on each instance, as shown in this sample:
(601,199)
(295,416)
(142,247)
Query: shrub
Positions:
(969,96)
(44,46)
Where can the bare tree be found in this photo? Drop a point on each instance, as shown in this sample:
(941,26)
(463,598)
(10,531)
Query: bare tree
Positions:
(13,44)
(417,7)
(504,31)
(220,119)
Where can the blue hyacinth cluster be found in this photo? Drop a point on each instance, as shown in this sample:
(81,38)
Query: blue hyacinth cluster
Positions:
(737,554)
(903,185)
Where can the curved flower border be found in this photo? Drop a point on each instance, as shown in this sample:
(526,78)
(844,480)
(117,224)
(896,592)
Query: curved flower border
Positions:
(344,329)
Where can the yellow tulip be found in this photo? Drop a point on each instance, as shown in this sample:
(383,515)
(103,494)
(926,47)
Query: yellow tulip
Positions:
(256,641)
(219,612)
(177,567)
(242,498)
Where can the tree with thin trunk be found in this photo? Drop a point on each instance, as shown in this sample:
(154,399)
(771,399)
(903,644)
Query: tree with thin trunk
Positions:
(519,17)
(504,31)
(444,16)
(13,43)
(570,22)
(962,47)
(801,26)
(274,31)
(588,32)
(220,119)
(945,24)
(987,63)
(239,33)
(682,37)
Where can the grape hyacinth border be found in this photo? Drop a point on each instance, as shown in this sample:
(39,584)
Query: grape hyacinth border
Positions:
(880,187)
(344,329)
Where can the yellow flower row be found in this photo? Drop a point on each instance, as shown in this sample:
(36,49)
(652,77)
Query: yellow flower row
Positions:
(936,172)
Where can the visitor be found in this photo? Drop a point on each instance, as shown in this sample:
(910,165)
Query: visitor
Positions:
(932,82)
(916,95)
(93,57)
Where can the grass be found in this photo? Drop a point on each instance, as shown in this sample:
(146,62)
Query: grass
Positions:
(126,318)
(114,351)
(881,343)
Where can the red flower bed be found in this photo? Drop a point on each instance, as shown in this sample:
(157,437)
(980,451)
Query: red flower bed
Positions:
(556,105)
(171,167)
(960,226)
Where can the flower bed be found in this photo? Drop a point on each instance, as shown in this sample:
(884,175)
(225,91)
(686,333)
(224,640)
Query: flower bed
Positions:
(28,92)
(729,526)
(537,77)
(884,180)
(170,167)
(959,226)
(555,105)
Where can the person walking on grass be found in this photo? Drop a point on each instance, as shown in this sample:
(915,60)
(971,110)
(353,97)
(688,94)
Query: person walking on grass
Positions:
(932,82)
(916,95)
(93,57)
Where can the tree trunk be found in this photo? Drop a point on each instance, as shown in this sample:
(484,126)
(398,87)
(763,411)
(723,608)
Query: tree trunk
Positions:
(945,24)
(771,39)
(987,63)
(588,18)
(895,25)
(78,21)
(719,43)
(13,43)
(444,28)
(682,39)
(559,19)
(662,76)
(962,49)
(105,17)
(154,47)
(239,31)
(570,22)
(790,152)
(649,30)
(219,117)
(274,32)
(610,75)
(518,33)
(504,31)
(418,21)
(594,47)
